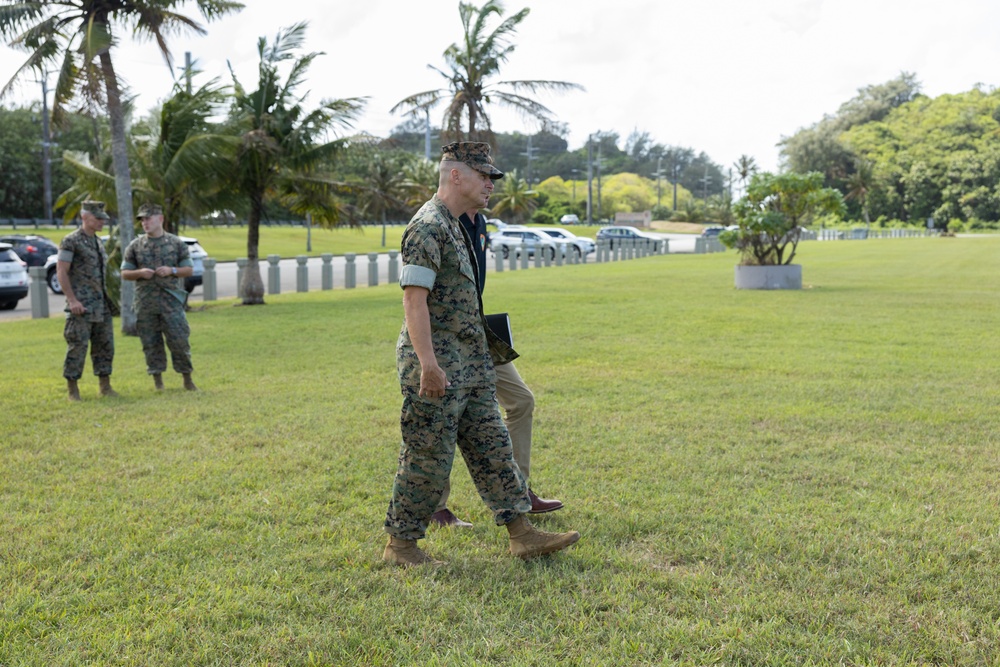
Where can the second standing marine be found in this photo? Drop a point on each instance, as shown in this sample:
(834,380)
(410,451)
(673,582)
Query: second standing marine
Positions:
(156,260)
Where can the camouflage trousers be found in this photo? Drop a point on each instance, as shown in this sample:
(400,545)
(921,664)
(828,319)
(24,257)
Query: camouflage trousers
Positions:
(168,323)
(79,332)
(431,428)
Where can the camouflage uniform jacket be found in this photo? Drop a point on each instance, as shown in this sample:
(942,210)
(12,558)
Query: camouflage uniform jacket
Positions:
(146,252)
(87,260)
(436,256)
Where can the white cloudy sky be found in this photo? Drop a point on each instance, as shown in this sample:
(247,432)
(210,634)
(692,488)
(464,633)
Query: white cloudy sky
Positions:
(726,77)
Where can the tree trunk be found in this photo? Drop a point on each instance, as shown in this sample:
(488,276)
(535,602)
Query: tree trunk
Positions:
(252,286)
(123,186)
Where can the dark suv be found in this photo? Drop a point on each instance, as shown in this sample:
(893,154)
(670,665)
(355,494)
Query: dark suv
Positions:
(33,250)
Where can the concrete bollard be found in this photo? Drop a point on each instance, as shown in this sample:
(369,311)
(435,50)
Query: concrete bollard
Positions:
(512,257)
(616,248)
(350,271)
(524,258)
(372,269)
(39,295)
(558,254)
(209,282)
(538,260)
(393,266)
(498,257)
(301,273)
(326,271)
(273,274)
(241,265)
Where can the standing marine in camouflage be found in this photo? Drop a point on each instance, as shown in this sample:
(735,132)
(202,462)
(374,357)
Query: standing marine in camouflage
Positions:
(445,357)
(80,269)
(156,260)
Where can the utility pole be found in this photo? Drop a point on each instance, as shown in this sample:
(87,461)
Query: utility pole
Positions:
(573,173)
(187,71)
(673,161)
(599,208)
(659,175)
(590,180)
(46,143)
(427,133)
(705,181)
(530,154)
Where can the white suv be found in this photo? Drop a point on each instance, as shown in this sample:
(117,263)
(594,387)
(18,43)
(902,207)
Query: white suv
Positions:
(13,278)
(582,244)
(522,239)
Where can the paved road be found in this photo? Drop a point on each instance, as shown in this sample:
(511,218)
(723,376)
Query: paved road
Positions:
(226,277)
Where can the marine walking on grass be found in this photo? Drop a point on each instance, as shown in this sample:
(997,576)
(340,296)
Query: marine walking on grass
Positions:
(80,269)
(156,261)
(445,359)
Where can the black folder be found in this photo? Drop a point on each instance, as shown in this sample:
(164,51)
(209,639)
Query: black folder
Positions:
(500,325)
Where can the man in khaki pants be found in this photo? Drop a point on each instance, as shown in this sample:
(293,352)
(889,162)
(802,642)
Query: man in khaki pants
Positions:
(513,395)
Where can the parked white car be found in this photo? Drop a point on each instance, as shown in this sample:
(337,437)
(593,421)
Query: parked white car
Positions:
(198,256)
(13,278)
(570,219)
(583,244)
(518,239)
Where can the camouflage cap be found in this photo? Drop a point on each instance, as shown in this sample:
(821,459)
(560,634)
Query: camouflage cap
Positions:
(147,210)
(94,208)
(476,154)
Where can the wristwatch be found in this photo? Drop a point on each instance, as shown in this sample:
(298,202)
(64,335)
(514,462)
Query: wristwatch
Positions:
(174,269)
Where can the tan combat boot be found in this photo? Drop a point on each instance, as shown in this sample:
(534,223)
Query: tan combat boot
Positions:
(74,390)
(158,381)
(526,541)
(188,382)
(406,553)
(106,389)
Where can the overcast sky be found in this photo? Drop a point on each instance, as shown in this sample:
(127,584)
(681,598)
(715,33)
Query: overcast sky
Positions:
(727,77)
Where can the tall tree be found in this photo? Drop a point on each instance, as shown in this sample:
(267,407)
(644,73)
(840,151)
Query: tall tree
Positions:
(384,189)
(80,34)
(859,184)
(514,199)
(177,159)
(282,144)
(471,66)
(745,167)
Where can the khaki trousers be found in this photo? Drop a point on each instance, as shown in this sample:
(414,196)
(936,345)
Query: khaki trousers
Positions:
(518,405)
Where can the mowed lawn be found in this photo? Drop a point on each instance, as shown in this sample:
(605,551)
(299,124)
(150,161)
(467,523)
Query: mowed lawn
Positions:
(760,478)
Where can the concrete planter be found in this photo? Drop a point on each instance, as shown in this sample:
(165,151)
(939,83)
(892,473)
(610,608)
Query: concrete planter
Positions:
(784,276)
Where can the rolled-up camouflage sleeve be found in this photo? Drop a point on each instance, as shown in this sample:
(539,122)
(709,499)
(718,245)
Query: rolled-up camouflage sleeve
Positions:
(421,255)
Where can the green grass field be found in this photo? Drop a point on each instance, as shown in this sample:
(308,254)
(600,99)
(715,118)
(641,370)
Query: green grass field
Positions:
(760,478)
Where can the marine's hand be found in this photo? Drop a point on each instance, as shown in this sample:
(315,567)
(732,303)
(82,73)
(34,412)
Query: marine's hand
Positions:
(164,271)
(76,307)
(433,382)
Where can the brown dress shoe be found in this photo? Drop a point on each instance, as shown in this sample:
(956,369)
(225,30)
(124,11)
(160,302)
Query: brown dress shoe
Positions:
(542,505)
(446,519)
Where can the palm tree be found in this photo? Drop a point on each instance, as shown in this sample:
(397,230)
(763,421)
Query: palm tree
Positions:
(859,185)
(746,167)
(282,145)
(80,34)
(514,199)
(384,189)
(177,159)
(470,66)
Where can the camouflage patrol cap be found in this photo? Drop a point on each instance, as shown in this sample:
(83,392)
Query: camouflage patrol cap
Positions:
(147,210)
(476,154)
(94,208)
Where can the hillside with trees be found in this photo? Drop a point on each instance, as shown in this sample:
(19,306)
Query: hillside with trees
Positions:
(897,155)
